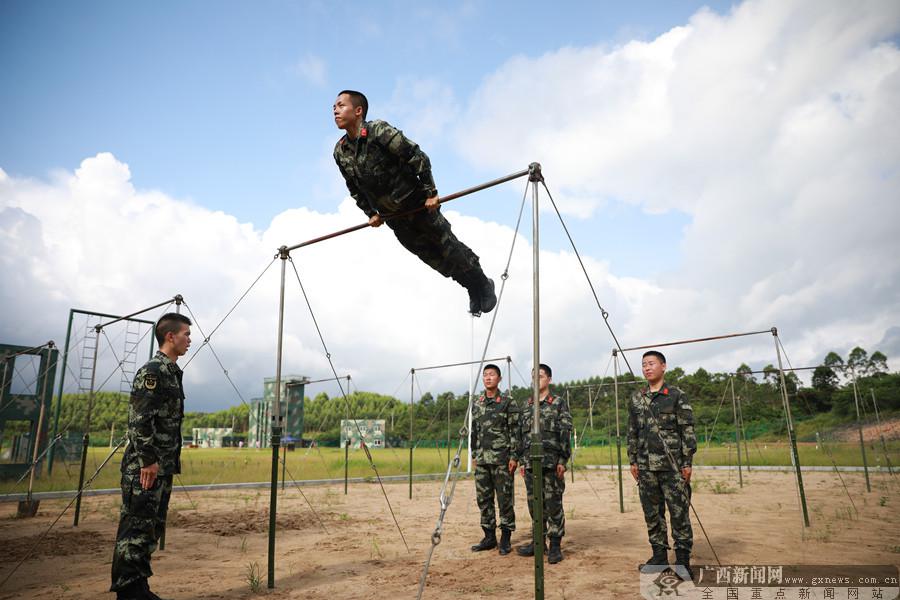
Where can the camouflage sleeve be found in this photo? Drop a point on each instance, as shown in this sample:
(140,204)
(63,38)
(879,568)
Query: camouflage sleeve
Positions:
(408,151)
(142,417)
(512,425)
(684,415)
(632,435)
(357,196)
(476,431)
(565,432)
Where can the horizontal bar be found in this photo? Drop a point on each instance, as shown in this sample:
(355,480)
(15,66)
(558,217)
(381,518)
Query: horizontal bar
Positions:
(705,339)
(175,298)
(441,200)
(51,343)
(459,364)
(600,385)
(327,379)
(791,369)
(100,314)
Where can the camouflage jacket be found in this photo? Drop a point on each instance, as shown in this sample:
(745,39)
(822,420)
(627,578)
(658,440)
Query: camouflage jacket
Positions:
(673,417)
(384,170)
(556,427)
(495,430)
(154,417)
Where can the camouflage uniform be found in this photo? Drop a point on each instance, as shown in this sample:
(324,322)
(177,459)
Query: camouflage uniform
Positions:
(387,173)
(556,427)
(154,436)
(495,441)
(673,425)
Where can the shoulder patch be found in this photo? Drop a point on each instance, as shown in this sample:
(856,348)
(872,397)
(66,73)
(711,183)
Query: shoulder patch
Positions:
(150,381)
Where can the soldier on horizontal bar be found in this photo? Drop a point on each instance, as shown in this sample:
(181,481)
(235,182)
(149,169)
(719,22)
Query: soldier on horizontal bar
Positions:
(386,174)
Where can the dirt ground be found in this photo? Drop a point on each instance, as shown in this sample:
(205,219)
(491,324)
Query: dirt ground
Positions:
(211,546)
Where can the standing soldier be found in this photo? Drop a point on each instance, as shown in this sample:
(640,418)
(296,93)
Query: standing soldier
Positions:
(495,446)
(556,426)
(152,457)
(386,173)
(661,446)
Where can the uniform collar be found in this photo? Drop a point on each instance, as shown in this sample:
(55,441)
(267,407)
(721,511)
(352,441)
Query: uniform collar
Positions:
(164,359)
(664,390)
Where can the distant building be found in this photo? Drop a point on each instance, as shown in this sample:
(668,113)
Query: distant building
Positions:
(211,437)
(372,432)
(259,431)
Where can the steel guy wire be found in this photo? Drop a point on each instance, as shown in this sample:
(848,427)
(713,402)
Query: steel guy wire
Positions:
(308,503)
(716,420)
(228,314)
(206,342)
(603,311)
(347,401)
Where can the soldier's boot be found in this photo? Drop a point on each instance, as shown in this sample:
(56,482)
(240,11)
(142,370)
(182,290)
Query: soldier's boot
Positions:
(660,556)
(555,554)
(683,559)
(148,592)
(488,542)
(468,281)
(505,545)
(486,292)
(528,549)
(133,591)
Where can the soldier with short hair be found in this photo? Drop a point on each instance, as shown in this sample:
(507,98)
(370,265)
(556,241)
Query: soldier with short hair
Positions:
(152,457)
(495,447)
(661,446)
(386,174)
(556,427)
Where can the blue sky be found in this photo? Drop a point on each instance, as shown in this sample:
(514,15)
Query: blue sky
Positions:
(723,167)
(208,100)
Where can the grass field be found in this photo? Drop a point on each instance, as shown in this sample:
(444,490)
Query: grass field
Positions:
(230,465)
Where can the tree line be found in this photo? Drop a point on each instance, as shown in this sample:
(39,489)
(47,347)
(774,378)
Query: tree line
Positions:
(829,399)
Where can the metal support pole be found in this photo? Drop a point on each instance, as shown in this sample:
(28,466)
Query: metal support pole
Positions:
(862,444)
(62,378)
(346,464)
(283,254)
(737,432)
(40,424)
(618,432)
(412,383)
(87,429)
(887,459)
(575,439)
(795,456)
(537,446)
(740,412)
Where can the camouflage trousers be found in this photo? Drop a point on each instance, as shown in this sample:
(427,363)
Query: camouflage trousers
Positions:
(659,489)
(142,520)
(554,488)
(491,480)
(428,236)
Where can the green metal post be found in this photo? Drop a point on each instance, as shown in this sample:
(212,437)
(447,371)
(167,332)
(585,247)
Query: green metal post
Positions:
(795,456)
(62,378)
(618,432)
(537,446)
(346,464)
(862,444)
(87,430)
(737,432)
(412,381)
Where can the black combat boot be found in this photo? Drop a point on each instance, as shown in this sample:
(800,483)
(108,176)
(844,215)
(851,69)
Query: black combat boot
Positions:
(660,556)
(148,592)
(528,549)
(133,591)
(683,559)
(505,546)
(469,280)
(486,293)
(555,554)
(488,542)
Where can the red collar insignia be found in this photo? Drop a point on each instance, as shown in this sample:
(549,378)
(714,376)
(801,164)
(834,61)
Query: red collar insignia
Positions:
(498,399)
(363,132)
(665,391)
